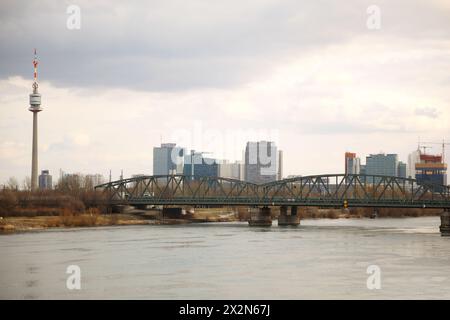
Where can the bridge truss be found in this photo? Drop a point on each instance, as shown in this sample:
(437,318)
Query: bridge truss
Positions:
(330,190)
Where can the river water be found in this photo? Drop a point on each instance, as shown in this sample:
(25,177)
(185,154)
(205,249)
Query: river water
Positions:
(323,259)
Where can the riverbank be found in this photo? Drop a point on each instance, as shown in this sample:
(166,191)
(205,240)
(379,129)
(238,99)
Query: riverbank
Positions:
(20,224)
(152,217)
(136,217)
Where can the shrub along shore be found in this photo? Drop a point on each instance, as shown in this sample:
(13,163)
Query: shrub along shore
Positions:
(26,210)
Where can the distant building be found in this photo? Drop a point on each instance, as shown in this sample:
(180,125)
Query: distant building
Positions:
(352,163)
(280,165)
(401,169)
(362,169)
(382,164)
(198,166)
(92,180)
(260,162)
(413,158)
(230,170)
(431,169)
(167,159)
(45,180)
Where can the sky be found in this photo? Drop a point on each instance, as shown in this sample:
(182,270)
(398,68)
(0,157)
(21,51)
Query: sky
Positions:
(318,77)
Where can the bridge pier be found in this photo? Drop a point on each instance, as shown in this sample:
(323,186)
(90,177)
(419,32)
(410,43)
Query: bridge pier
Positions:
(445,223)
(172,212)
(261,218)
(285,219)
(120,208)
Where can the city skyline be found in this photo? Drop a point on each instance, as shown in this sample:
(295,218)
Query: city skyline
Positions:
(165,165)
(360,90)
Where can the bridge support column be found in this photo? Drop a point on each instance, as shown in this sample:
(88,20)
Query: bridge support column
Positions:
(445,223)
(141,206)
(172,213)
(285,219)
(120,208)
(260,218)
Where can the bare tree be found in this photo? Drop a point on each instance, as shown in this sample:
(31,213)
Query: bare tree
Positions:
(71,183)
(26,184)
(88,183)
(12,183)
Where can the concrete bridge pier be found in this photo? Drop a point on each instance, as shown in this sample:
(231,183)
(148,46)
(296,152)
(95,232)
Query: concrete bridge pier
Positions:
(260,218)
(141,206)
(172,212)
(445,223)
(120,208)
(285,219)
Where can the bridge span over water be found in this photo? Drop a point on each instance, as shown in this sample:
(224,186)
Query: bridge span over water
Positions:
(328,190)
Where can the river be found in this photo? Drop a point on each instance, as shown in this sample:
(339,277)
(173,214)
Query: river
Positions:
(321,259)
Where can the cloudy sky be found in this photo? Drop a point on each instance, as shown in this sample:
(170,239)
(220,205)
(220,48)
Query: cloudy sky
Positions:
(212,74)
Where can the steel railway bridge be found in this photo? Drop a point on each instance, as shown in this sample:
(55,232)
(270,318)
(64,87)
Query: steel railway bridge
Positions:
(329,190)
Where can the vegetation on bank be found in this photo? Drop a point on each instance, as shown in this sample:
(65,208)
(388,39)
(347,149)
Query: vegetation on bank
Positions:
(316,213)
(85,207)
(23,209)
(50,202)
(71,221)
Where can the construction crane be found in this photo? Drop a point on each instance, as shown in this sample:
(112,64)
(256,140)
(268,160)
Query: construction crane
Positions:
(424,148)
(443,143)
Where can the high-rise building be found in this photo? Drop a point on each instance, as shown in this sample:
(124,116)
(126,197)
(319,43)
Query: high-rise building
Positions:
(413,158)
(167,159)
(230,170)
(197,166)
(362,169)
(382,164)
(431,169)
(352,163)
(260,162)
(45,180)
(401,169)
(280,165)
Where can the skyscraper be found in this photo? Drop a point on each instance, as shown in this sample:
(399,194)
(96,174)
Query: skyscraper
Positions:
(413,158)
(232,170)
(401,170)
(431,169)
(280,165)
(352,163)
(260,162)
(198,166)
(382,164)
(167,159)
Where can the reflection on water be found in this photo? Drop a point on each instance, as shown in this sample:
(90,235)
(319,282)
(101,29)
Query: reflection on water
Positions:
(320,259)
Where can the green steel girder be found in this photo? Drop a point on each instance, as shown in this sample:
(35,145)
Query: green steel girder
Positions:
(329,190)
